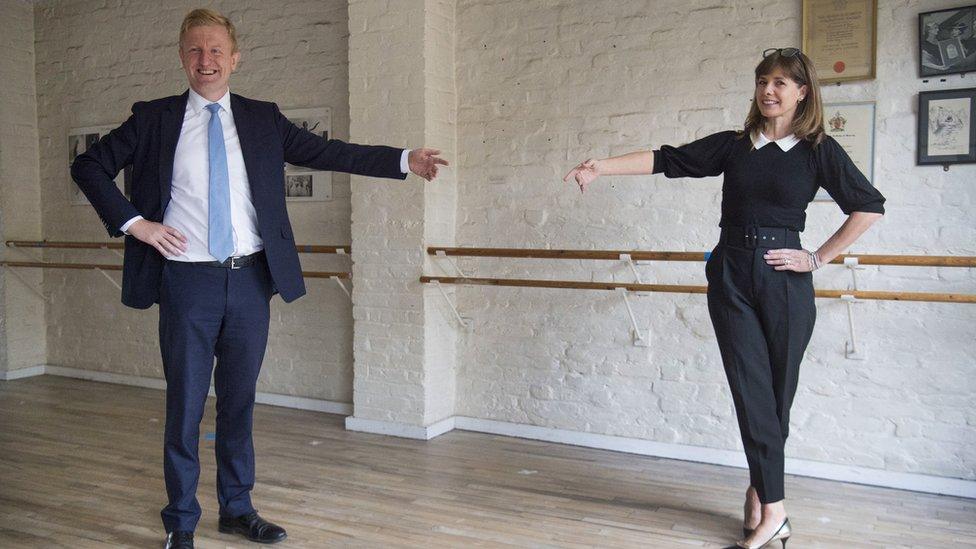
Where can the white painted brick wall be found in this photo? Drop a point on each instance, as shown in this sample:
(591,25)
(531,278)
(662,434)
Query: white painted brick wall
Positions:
(386,105)
(402,65)
(539,86)
(94,59)
(542,86)
(440,204)
(22,342)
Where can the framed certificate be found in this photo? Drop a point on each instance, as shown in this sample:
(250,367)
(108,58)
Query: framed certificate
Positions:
(852,126)
(840,37)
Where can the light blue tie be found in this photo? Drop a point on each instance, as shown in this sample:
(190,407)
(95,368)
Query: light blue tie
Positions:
(220,239)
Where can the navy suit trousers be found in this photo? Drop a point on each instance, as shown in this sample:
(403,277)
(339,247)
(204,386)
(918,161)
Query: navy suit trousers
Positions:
(206,313)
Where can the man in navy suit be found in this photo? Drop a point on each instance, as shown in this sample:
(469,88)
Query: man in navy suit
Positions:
(208,238)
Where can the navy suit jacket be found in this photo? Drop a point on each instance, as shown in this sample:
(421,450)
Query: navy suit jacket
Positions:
(147,141)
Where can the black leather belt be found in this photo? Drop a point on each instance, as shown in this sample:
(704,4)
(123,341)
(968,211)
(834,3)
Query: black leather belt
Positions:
(233,262)
(760,237)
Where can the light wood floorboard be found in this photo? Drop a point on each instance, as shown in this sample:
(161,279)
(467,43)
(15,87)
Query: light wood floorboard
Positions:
(81,466)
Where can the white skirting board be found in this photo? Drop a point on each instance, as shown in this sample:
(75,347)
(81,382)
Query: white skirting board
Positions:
(402,430)
(815,469)
(800,467)
(805,468)
(21,373)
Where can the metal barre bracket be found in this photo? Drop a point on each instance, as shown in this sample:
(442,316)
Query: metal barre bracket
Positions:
(626,258)
(343,286)
(464,323)
(851,350)
(441,254)
(23,281)
(110,279)
(640,338)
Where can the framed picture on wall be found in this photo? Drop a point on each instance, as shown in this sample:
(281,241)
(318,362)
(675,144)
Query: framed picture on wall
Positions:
(852,126)
(840,37)
(309,185)
(302,184)
(947,127)
(79,140)
(946,41)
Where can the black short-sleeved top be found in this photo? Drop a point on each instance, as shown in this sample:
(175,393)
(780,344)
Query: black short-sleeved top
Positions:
(770,187)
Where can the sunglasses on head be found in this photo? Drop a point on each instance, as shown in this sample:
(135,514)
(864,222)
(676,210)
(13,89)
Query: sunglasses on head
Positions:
(785,52)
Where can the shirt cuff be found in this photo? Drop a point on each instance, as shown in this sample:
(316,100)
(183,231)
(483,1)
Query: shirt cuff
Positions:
(404,161)
(125,228)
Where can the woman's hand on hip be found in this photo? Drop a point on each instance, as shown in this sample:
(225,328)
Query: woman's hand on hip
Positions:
(786,259)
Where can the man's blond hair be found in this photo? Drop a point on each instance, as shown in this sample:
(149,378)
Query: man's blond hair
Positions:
(202,17)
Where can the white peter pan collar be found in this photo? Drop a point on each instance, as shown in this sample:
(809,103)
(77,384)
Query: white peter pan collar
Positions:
(785,143)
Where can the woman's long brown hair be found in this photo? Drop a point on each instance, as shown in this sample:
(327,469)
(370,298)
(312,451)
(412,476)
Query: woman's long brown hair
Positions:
(808,119)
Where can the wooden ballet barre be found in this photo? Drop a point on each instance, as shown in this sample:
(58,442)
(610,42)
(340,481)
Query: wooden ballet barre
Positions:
(302,248)
(568,254)
(46,265)
(326,274)
(684,289)
(94,266)
(64,245)
(637,255)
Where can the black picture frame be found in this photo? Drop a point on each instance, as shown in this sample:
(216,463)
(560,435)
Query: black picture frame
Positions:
(947,41)
(947,127)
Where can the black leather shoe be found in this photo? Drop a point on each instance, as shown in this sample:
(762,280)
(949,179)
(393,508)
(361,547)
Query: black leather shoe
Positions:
(252,527)
(179,539)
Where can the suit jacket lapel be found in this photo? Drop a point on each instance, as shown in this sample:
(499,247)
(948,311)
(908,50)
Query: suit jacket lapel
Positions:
(171,122)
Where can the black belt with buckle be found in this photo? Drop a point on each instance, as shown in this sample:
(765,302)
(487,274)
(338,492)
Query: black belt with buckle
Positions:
(233,262)
(760,237)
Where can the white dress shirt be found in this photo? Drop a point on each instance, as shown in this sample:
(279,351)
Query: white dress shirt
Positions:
(188,209)
(785,143)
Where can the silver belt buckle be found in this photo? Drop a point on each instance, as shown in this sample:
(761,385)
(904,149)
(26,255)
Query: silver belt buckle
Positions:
(233,263)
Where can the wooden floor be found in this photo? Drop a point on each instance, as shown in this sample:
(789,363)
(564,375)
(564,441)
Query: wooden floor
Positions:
(80,466)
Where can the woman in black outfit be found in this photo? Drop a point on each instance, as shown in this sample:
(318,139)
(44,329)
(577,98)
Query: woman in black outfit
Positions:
(760,286)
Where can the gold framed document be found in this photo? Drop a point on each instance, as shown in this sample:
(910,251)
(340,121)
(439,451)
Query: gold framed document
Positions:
(840,37)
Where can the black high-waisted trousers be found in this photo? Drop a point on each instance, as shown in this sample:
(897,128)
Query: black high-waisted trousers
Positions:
(763,320)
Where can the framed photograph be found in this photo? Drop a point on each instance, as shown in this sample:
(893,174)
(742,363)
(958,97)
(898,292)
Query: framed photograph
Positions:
(852,126)
(308,186)
(302,184)
(947,127)
(840,37)
(79,139)
(946,43)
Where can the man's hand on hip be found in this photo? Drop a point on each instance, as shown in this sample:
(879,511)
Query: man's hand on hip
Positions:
(423,162)
(167,240)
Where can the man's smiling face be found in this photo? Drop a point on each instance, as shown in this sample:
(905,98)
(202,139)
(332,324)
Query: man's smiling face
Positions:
(208,57)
